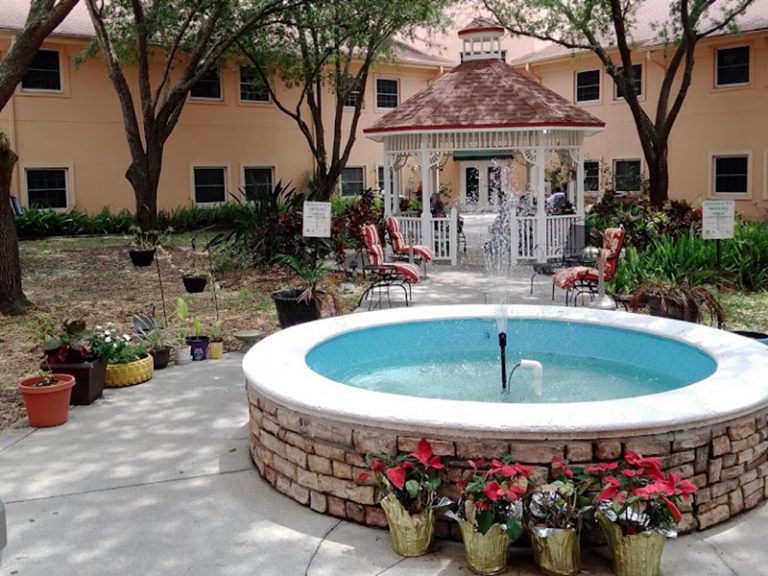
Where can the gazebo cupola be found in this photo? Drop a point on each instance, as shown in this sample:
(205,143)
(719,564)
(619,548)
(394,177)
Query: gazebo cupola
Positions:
(481,40)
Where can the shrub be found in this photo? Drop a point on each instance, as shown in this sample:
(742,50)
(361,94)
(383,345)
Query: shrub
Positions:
(37,223)
(347,227)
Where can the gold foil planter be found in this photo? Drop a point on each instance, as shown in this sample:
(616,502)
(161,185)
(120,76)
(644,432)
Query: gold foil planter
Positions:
(635,555)
(486,553)
(556,550)
(411,534)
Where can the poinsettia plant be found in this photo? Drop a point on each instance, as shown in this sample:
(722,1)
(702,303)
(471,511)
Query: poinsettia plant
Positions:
(413,478)
(561,502)
(494,495)
(638,495)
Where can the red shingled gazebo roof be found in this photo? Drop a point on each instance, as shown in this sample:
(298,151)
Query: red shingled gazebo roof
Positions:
(483,94)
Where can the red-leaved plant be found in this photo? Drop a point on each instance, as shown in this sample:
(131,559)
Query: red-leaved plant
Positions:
(413,478)
(494,496)
(638,496)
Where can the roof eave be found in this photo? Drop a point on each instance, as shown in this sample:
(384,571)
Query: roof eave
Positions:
(378,134)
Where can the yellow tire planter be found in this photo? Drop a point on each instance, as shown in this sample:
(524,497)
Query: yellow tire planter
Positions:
(119,375)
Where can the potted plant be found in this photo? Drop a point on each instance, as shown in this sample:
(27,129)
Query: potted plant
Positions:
(158,349)
(490,512)
(554,519)
(143,245)
(637,508)
(216,345)
(298,305)
(183,354)
(69,350)
(195,280)
(198,341)
(128,363)
(46,398)
(408,485)
(678,299)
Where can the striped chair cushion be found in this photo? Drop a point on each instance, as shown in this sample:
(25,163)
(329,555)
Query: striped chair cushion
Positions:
(399,245)
(408,271)
(567,277)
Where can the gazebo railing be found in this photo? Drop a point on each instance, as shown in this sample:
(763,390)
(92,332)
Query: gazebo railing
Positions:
(444,234)
(558,230)
(523,238)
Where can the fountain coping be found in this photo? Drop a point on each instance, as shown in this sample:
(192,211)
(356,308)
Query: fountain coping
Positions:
(276,368)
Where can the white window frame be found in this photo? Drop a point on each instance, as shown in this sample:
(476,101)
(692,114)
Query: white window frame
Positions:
(349,108)
(616,161)
(576,86)
(268,101)
(642,84)
(220,166)
(341,181)
(713,181)
(61,90)
(255,166)
(68,182)
(221,89)
(399,93)
(738,84)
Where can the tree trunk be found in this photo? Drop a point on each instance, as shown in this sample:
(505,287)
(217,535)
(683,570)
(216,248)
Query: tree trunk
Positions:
(658,175)
(12,299)
(144,176)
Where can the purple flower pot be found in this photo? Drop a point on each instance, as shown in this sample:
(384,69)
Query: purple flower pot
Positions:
(199,346)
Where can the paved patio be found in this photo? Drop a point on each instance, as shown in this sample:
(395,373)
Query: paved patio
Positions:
(156,479)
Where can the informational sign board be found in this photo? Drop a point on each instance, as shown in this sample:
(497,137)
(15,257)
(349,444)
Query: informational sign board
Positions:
(717,217)
(317,220)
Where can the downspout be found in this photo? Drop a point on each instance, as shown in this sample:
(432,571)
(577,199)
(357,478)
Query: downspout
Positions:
(529,71)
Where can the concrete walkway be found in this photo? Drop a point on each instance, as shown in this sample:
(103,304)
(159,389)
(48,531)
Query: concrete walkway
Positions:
(156,480)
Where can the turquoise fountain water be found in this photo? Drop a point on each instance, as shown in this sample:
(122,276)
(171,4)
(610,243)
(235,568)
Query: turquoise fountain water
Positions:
(459,359)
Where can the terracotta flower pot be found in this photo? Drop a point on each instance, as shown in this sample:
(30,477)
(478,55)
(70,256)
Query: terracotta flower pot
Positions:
(47,405)
(411,534)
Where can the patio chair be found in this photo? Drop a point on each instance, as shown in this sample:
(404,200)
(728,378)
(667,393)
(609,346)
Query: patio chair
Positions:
(578,280)
(572,255)
(385,274)
(410,251)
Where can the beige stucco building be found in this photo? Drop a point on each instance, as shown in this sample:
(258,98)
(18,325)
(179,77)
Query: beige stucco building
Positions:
(719,144)
(65,124)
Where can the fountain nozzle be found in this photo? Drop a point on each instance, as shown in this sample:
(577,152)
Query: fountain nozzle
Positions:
(503,349)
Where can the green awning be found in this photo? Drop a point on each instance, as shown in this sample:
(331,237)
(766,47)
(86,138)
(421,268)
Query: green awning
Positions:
(483,155)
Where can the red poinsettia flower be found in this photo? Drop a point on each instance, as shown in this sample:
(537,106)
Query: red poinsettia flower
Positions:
(396,475)
(493,491)
(651,465)
(603,468)
(407,464)
(461,485)
(611,490)
(559,467)
(652,490)
(481,506)
(435,463)
(678,486)
(632,473)
(423,452)
(378,465)
(674,510)
(475,463)
(363,476)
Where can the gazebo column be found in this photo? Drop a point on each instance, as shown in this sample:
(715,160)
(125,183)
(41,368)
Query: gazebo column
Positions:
(541,213)
(578,158)
(389,192)
(426,194)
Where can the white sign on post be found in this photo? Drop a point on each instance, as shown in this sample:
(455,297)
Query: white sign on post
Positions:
(317,220)
(717,217)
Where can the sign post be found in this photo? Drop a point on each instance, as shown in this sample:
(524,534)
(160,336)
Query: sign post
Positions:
(717,221)
(317,220)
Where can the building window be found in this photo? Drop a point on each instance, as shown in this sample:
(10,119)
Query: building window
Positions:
(210,185)
(252,87)
(588,86)
(627,176)
(352,181)
(591,176)
(732,66)
(637,76)
(352,91)
(44,73)
(46,187)
(208,87)
(731,174)
(386,93)
(258,181)
(380,178)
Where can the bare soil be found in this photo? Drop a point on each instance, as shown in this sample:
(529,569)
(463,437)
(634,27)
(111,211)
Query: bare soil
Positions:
(93,278)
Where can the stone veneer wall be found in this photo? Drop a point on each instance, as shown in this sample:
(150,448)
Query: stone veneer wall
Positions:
(316,462)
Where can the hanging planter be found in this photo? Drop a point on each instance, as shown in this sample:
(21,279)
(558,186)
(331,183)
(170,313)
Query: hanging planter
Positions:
(411,533)
(556,550)
(142,258)
(47,404)
(635,554)
(194,283)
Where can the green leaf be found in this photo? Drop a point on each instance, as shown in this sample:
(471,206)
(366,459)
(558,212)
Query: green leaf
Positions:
(514,528)
(412,487)
(484,521)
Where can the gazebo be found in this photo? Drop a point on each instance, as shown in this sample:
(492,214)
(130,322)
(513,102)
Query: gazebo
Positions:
(485,108)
